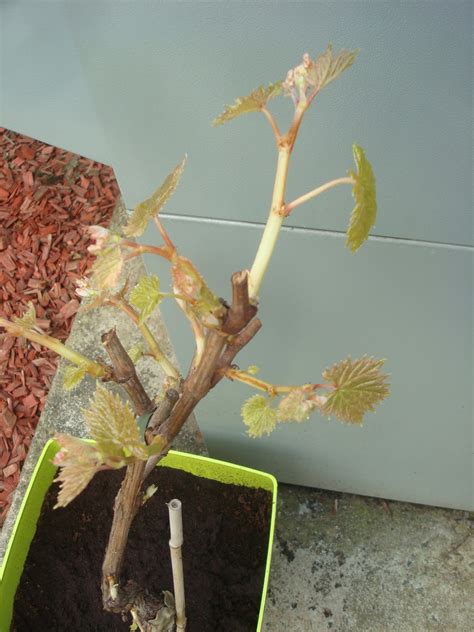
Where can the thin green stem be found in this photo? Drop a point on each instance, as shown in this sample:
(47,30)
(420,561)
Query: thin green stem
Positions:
(272,228)
(155,348)
(165,252)
(180,297)
(93,368)
(166,238)
(295,125)
(198,331)
(277,210)
(271,389)
(315,192)
(274,125)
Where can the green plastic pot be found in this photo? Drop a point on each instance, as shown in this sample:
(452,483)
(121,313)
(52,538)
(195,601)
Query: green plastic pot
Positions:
(42,477)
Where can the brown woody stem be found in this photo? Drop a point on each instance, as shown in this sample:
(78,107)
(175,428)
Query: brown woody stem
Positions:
(233,348)
(126,506)
(161,414)
(201,379)
(125,373)
(165,424)
(241,311)
(128,499)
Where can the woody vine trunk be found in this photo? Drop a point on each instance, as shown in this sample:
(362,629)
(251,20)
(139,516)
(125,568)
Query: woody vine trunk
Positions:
(221,346)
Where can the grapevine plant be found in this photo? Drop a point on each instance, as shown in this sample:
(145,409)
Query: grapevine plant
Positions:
(137,436)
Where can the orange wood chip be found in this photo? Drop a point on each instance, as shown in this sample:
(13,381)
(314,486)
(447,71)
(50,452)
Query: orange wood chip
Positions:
(7,421)
(10,470)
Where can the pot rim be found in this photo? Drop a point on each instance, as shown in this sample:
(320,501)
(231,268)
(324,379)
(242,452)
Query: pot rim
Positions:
(42,476)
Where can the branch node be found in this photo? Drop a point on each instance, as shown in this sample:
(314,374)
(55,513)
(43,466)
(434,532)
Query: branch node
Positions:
(241,311)
(125,373)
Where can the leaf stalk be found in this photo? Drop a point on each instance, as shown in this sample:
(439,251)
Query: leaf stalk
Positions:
(155,348)
(271,389)
(93,368)
(274,125)
(315,192)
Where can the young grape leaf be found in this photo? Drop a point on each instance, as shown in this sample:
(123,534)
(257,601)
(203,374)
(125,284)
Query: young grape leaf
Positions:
(112,424)
(28,320)
(358,387)
(138,221)
(148,493)
(78,462)
(254,102)
(252,369)
(73,375)
(364,213)
(295,407)
(145,296)
(136,352)
(157,445)
(188,282)
(103,238)
(328,67)
(259,416)
(107,267)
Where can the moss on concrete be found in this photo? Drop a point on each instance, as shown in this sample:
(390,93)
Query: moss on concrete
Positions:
(369,567)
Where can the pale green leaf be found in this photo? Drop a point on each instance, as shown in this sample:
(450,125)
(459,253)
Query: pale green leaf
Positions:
(73,375)
(28,320)
(364,213)
(258,416)
(252,369)
(78,462)
(136,352)
(295,407)
(188,282)
(148,493)
(254,102)
(358,387)
(107,267)
(138,221)
(328,67)
(112,424)
(145,296)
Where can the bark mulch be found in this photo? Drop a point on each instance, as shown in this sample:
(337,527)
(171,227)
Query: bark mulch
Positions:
(48,196)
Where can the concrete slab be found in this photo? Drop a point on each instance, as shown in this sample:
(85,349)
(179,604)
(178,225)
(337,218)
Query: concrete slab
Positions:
(369,567)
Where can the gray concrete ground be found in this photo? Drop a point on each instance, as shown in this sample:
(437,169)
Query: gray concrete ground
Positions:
(370,566)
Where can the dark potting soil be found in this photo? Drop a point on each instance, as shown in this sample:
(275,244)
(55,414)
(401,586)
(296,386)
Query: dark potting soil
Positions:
(224,553)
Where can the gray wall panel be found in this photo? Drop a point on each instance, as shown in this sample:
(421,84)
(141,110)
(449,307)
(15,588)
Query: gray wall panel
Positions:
(43,90)
(156,74)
